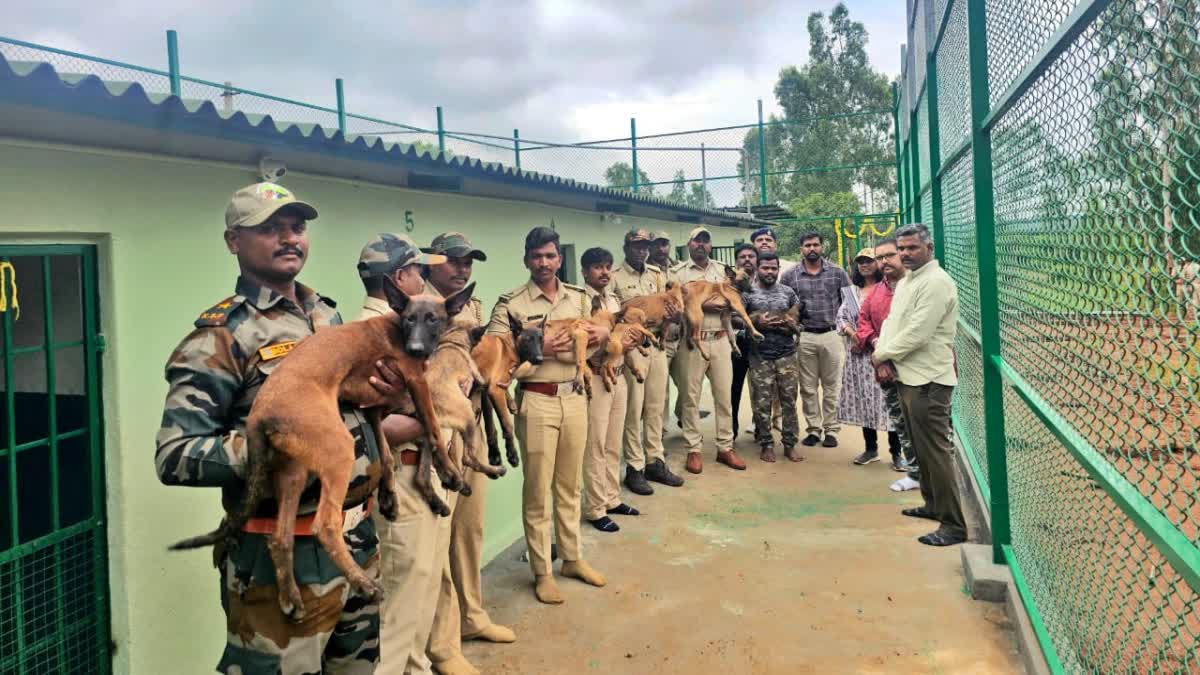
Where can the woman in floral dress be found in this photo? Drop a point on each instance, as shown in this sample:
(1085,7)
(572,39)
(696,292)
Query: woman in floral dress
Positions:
(861,402)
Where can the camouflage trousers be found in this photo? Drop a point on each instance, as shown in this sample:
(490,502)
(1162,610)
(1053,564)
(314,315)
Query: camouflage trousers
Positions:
(774,381)
(891,395)
(338,636)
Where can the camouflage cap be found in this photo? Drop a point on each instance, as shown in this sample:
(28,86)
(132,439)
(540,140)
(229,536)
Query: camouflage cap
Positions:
(637,234)
(386,253)
(697,231)
(254,204)
(662,235)
(868,253)
(454,245)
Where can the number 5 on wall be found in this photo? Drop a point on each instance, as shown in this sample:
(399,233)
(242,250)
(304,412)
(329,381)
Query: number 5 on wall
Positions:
(409,225)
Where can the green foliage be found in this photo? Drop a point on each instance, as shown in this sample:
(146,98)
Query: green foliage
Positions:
(620,176)
(691,194)
(837,80)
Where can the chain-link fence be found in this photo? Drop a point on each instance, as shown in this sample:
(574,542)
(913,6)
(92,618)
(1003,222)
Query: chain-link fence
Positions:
(1070,220)
(845,161)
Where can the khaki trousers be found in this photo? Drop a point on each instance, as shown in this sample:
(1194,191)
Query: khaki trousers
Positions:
(927,414)
(460,598)
(602,454)
(822,356)
(719,371)
(552,431)
(412,552)
(644,411)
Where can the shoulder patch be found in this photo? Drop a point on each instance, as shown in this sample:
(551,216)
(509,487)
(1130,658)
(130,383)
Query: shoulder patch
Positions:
(653,268)
(329,301)
(219,313)
(573,287)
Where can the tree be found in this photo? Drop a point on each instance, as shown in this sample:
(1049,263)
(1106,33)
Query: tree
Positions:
(819,127)
(695,195)
(620,176)
(812,207)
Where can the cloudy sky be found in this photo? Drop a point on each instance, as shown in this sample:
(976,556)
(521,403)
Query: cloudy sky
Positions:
(557,70)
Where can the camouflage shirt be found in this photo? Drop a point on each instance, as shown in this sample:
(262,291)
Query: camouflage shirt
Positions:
(213,377)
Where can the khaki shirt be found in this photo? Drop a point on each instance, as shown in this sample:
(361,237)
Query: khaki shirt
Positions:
(918,334)
(627,283)
(690,271)
(609,299)
(474,310)
(529,305)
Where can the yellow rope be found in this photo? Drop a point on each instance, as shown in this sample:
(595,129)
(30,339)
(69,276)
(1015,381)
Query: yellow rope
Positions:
(12,278)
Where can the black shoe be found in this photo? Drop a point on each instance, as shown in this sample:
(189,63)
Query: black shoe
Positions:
(811,440)
(704,413)
(658,472)
(898,464)
(636,482)
(623,510)
(830,441)
(605,524)
(866,457)
(942,538)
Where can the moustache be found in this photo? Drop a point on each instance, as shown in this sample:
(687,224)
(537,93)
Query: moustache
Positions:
(289,250)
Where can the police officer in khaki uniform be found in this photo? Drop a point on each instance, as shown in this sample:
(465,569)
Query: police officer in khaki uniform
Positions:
(460,614)
(551,423)
(644,453)
(718,369)
(413,547)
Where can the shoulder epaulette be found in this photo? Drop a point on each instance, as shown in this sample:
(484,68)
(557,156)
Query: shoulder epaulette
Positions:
(329,301)
(573,287)
(653,268)
(679,267)
(219,313)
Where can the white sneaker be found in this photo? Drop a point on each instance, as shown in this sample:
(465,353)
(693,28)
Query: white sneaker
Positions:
(905,484)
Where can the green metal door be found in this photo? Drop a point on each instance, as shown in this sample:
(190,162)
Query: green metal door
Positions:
(54,607)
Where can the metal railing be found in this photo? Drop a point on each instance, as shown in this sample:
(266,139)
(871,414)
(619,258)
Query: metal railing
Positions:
(1050,146)
(732,167)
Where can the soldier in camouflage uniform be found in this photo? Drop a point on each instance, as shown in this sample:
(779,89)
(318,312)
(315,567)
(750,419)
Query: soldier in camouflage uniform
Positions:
(213,376)
(774,372)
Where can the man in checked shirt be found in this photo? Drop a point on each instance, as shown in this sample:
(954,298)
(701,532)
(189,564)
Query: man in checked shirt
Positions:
(818,283)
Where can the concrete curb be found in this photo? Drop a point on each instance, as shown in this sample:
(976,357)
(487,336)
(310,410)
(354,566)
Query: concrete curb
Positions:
(989,581)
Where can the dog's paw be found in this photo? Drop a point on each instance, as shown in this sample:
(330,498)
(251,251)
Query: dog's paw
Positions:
(514,460)
(465,490)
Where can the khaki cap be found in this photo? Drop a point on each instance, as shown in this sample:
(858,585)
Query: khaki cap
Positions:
(868,253)
(454,245)
(697,231)
(386,253)
(662,235)
(637,234)
(254,204)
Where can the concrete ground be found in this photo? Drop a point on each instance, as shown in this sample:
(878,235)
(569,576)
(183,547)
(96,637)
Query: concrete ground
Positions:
(783,568)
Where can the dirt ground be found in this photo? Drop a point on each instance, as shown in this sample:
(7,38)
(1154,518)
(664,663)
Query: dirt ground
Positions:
(784,568)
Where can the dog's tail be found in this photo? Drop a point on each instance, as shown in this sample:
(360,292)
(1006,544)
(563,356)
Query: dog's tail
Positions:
(258,463)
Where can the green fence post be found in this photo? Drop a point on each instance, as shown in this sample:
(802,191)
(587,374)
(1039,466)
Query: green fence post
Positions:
(899,159)
(341,107)
(989,301)
(762,157)
(935,151)
(441,131)
(633,144)
(914,157)
(173,62)
(517,147)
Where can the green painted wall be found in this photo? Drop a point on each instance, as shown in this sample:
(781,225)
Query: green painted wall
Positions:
(158,225)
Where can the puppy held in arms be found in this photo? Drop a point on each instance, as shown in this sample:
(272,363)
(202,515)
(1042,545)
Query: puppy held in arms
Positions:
(294,429)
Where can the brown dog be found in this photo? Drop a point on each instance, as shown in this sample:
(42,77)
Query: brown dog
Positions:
(499,359)
(577,328)
(790,319)
(696,293)
(631,320)
(452,361)
(295,429)
(659,309)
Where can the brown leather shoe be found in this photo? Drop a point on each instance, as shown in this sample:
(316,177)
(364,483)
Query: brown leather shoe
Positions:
(694,463)
(730,459)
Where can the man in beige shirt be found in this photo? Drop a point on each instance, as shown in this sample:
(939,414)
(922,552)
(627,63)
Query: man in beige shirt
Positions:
(606,410)
(718,368)
(460,614)
(551,423)
(916,349)
(413,547)
(646,401)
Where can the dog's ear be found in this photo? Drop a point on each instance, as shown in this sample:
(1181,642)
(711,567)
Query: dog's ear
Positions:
(731,274)
(396,298)
(514,324)
(477,334)
(456,302)
(597,304)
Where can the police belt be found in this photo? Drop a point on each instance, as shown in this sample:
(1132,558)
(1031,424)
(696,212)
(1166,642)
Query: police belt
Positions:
(550,388)
(711,335)
(304,524)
